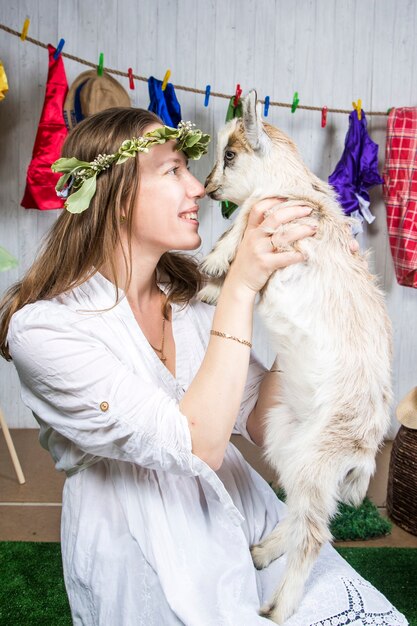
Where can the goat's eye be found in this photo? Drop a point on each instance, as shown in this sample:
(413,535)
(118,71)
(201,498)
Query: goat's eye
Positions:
(229,155)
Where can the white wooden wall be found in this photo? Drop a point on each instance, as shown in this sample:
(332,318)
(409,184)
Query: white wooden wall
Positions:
(330,51)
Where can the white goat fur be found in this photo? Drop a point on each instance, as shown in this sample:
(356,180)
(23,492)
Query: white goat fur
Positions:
(328,324)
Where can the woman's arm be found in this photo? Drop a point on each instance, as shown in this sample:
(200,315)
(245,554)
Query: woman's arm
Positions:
(212,401)
(268,393)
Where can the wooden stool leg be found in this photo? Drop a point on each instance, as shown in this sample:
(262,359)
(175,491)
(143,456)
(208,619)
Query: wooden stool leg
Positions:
(12,450)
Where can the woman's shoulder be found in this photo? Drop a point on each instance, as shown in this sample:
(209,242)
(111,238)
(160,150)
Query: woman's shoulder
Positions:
(40,314)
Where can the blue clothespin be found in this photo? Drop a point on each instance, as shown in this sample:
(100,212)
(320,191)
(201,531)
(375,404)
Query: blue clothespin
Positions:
(206,99)
(266,106)
(100,64)
(59,48)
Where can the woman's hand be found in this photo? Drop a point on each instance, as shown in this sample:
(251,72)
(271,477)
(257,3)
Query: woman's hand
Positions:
(258,256)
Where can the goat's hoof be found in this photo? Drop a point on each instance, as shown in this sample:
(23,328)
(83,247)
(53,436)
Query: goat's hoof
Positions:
(209,294)
(274,613)
(270,612)
(260,556)
(215,267)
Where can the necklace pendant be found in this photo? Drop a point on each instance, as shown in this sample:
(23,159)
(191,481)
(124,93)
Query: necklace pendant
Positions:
(163,359)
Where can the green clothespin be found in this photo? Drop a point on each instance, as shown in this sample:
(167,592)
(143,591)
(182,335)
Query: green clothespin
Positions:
(295,102)
(100,64)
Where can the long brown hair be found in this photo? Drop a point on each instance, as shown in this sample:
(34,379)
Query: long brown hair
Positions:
(77,245)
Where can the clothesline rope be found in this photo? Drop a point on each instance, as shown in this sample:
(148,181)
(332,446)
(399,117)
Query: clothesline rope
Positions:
(215,94)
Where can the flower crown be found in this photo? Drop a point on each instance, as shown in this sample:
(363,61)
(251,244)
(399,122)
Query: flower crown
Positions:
(78,182)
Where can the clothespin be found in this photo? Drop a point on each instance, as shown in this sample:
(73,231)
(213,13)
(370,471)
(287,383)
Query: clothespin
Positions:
(295,102)
(358,108)
(166,79)
(207,96)
(59,48)
(25,28)
(238,93)
(266,106)
(130,74)
(323,117)
(100,64)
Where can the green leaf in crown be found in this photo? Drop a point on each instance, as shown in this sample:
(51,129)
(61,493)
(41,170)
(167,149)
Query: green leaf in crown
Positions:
(78,182)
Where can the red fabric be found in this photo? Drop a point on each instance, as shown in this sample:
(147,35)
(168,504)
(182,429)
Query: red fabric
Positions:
(400,192)
(40,180)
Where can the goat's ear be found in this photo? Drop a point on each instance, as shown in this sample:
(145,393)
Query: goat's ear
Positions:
(252,122)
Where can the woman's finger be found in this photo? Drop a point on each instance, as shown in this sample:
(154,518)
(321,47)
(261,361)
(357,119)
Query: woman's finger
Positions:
(284,236)
(283,216)
(262,207)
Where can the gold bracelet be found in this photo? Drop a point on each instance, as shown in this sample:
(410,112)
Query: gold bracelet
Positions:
(227,336)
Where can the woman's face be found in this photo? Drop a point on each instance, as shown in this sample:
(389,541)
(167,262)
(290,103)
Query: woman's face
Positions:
(165,215)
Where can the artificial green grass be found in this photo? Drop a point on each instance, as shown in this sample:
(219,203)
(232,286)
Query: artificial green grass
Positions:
(354,523)
(393,571)
(32,588)
(357,523)
(32,591)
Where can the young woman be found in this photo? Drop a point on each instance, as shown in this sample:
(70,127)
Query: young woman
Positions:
(137,386)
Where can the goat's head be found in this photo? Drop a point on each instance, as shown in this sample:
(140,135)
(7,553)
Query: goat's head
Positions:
(252,156)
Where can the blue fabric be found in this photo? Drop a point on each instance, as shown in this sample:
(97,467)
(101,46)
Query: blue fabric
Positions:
(164,103)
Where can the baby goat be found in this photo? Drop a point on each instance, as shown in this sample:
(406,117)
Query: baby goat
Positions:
(328,324)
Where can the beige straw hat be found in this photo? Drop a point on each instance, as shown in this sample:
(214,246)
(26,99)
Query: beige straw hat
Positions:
(407,410)
(91,93)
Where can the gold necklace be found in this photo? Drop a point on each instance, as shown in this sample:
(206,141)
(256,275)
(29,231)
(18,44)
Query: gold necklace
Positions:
(161,355)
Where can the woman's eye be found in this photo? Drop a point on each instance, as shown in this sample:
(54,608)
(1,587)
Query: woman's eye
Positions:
(174,170)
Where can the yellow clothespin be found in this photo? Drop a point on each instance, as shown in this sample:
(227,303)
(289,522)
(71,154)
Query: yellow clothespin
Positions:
(358,108)
(25,29)
(166,79)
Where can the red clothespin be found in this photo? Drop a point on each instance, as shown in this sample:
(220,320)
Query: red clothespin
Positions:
(130,74)
(323,117)
(25,28)
(238,93)
(59,49)
(166,79)
(100,64)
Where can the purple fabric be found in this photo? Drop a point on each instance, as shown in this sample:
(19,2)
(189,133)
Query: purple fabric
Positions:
(357,169)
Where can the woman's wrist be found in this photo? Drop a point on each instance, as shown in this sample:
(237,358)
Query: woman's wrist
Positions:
(238,289)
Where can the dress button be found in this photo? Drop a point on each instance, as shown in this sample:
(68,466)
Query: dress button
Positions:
(104,406)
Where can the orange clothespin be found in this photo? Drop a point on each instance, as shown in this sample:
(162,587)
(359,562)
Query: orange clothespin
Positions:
(130,74)
(166,79)
(358,108)
(323,117)
(25,29)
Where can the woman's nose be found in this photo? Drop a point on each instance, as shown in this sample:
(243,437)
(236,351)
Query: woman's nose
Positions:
(196,189)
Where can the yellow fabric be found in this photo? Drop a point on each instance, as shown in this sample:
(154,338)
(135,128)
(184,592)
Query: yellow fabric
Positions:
(4,86)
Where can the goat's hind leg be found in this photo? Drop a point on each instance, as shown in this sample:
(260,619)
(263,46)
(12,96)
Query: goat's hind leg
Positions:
(311,503)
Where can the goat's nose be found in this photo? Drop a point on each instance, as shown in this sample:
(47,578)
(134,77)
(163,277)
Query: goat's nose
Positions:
(208,185)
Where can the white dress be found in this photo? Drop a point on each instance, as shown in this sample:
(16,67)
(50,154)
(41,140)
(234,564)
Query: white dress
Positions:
(151,536)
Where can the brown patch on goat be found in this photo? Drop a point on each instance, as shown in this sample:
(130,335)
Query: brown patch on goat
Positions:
(238,141)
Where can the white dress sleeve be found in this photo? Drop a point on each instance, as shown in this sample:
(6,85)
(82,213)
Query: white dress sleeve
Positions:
(79,388)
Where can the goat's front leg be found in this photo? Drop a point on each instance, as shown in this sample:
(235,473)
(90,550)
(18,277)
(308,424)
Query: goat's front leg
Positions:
(217,263)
